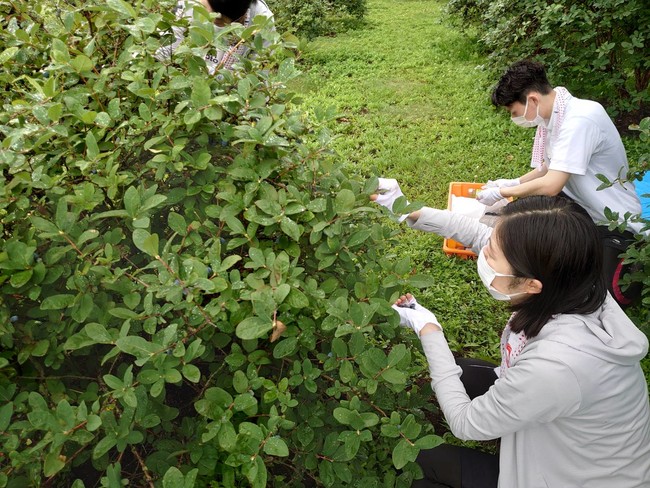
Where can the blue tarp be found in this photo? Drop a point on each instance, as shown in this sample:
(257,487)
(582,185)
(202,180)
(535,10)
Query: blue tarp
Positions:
(643,190)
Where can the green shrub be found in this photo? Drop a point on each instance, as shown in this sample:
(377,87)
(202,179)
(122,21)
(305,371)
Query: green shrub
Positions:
(639,255)
(306,19)
(317,17)
(192,294)
(598,49)
(356,8)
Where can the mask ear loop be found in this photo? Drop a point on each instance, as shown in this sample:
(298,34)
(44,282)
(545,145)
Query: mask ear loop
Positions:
(526,108)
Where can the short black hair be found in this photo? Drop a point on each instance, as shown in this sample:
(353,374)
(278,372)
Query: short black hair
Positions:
(233,9)
(553,240)
(518,81)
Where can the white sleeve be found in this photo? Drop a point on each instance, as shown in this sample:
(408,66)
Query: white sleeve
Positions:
(164,53)
(466,230)
(260,8)
(576,142)
(533,391)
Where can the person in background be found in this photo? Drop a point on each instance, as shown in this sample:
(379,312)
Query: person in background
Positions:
(575,141)
(239,11)
(569,400)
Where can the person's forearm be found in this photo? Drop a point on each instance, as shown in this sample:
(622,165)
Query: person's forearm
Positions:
(429,329)
(414,216)
(534,187)
(550,184)
(532,175)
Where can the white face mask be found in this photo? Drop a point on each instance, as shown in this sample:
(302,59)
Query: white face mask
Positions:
(521,120)
(487,275)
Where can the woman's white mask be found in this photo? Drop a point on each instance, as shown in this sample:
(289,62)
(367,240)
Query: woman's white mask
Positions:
(521,120)
(487,275)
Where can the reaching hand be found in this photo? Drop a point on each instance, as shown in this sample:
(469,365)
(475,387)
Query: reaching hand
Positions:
(489,196)
(414,315)
(387,192)
(502,182)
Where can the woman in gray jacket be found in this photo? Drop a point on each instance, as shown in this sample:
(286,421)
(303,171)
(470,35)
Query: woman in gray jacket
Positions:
(569,400)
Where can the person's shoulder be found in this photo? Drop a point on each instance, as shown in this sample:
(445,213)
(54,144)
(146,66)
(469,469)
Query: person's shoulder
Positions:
(561,328)
(185,8)
(580,107)
(260,7)
(581,113)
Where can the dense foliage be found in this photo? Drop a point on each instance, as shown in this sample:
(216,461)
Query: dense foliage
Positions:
(193,294)
(639,254)
(317,17)
(598,48)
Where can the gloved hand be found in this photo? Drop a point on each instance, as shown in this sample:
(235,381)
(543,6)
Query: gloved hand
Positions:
(502,182)
(489,196)
(414,315)
(387,192)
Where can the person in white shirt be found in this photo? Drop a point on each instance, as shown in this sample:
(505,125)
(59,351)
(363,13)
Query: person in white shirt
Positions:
(239,11)
(569,400)
(575,142)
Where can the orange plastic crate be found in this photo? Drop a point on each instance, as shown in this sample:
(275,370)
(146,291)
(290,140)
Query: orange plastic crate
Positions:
(460,189)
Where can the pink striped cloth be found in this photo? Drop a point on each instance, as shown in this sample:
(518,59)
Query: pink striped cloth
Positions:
(562,96)
(511,346)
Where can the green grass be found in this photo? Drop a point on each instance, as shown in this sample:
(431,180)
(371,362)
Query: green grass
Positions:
(413,104)
(414,101)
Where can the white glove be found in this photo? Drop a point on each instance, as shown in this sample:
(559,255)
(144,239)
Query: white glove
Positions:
(387,192)
(489,196)
(415,316)
(502,182)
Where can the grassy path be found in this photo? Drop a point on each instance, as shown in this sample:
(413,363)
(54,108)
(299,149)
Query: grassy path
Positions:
(413,104)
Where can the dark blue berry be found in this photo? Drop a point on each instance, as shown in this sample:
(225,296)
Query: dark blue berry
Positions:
(14,318)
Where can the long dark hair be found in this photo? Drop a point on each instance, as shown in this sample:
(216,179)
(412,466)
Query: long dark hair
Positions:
(553,240)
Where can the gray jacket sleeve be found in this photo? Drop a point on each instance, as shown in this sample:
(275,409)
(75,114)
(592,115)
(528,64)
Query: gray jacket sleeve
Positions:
(466,230)
(535,390)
